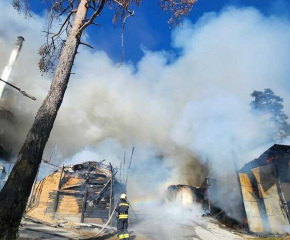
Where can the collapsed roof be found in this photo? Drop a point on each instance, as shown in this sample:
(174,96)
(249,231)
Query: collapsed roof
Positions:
(81,193)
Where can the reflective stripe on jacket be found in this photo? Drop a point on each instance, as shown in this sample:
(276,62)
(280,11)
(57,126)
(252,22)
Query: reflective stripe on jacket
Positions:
(123,216)
(122,209)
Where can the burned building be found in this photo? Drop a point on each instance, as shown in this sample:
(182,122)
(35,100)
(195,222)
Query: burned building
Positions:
(82,193)
(265,184)
(217,197)
(257,198)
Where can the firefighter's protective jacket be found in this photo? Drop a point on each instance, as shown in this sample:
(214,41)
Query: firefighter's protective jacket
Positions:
(122,209)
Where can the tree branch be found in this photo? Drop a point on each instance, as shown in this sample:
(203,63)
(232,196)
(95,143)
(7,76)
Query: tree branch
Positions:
(87,45)
(64,10)
(131,12)
(57,4)
(64,23)
(94,15)
(96,24)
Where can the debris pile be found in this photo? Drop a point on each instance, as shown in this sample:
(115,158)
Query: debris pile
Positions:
(82,193)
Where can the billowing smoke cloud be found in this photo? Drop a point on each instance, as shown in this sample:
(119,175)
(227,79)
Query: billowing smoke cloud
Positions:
(185,115)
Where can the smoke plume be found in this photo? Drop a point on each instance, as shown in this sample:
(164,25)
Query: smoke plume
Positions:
(186,114)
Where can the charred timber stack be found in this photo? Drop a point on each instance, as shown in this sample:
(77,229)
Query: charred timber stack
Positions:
(82,193)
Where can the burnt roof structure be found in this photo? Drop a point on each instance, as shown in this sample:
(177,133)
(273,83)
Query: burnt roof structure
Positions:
(81,193)
(279,155)
(259,200)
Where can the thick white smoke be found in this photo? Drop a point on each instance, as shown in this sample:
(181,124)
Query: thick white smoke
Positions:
(174,112)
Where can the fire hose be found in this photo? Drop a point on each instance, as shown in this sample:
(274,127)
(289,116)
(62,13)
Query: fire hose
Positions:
(109,220)
(132,209)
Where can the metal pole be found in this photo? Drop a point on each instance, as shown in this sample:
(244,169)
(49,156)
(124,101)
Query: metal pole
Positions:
(129,166)
(18,89)
(52,151)
(13,57)
(121,171)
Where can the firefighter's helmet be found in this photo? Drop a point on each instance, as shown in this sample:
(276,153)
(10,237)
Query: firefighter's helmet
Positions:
(123,196)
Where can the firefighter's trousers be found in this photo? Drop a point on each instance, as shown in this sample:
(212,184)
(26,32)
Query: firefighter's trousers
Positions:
(122,227)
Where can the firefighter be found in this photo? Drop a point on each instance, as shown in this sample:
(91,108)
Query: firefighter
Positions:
(123,215)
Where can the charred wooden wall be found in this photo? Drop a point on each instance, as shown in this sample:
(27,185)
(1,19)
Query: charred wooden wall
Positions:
(79,193)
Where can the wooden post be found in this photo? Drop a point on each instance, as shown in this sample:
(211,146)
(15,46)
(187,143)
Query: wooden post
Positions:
(84,204)
(86,194)
(32,198)
(111,192)
(57,192)
(208,195)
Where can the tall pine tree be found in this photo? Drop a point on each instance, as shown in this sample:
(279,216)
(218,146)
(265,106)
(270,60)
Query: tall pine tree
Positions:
(267,102)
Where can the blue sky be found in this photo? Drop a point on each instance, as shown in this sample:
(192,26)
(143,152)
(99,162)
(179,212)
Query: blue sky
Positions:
(149,28)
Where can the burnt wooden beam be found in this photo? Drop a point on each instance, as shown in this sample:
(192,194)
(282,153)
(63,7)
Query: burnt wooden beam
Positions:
(86,194)
(104,189)
(57,192)
(71,193)
(111,192)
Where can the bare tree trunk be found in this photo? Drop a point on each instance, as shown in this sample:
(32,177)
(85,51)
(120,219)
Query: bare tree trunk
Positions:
(14,196)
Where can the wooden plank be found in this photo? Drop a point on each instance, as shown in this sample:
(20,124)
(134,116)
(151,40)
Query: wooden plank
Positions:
(269,189)
(69,205)
(251,204)
(71,192)
(97,183)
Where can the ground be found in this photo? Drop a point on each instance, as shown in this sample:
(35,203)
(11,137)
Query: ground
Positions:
(151,222)
(207,230)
